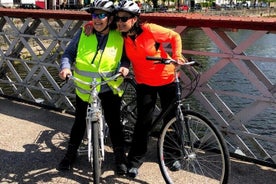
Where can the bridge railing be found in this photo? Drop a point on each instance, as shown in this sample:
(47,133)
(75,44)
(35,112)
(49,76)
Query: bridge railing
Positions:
(242,106)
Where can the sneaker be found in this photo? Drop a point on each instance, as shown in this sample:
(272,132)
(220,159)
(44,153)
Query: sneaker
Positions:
(176,166)
(132,172)
(121,169)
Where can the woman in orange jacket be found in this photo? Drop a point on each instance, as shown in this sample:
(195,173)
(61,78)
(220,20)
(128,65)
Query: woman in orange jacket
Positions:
(143,40)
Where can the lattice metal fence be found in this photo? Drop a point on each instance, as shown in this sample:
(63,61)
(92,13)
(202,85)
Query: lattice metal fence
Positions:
(30,49)
(30,53)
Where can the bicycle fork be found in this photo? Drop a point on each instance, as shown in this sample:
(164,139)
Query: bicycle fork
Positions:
(187,146)
(94,115)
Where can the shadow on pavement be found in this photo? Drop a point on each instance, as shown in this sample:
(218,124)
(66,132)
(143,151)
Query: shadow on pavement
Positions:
(33,141)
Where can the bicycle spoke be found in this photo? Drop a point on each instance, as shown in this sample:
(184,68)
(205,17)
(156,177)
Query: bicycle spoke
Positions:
(200,150)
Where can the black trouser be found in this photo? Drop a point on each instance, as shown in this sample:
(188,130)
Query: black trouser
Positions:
(146,100)
(111,106)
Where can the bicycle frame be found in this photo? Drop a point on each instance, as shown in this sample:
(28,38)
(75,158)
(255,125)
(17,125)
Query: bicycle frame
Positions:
(94,114)
(95,125)
(190,147)
(178,102)
(178,105)
(188,139)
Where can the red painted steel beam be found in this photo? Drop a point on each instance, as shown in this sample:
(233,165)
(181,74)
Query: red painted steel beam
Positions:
(165,19)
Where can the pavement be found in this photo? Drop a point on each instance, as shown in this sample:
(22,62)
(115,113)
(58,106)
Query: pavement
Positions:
(33,141)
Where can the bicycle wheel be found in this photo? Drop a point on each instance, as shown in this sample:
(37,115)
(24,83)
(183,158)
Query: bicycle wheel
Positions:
(194,152)
(96,161)
(128,109)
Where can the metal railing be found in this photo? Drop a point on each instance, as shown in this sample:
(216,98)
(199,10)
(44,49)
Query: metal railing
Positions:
(32,41)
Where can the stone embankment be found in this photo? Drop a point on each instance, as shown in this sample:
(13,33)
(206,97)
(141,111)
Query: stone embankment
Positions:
(254,12)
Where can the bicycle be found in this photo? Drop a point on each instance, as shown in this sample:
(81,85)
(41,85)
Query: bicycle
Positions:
(189,140)
(96,128)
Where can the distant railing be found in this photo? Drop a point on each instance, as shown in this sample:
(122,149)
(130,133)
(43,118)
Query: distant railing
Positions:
(32,42)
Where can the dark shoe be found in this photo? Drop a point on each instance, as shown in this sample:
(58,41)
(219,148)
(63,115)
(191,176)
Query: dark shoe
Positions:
(120,160)
(65,164)
(69,158)
(121,169)
(176,166)
(132,172)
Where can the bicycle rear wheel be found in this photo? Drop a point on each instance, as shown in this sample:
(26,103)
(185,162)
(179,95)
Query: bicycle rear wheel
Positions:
(128,109)
(96,161)
(196,156)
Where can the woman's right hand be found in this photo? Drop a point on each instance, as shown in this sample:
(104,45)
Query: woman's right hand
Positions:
(124,71)
(64,73)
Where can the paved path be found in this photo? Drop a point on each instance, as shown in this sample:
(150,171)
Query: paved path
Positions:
(32,142)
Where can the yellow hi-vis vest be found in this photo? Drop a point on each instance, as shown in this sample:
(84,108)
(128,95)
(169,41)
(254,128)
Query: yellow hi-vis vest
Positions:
(105,63)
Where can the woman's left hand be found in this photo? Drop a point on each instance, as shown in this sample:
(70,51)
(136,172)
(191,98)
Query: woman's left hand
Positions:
(181,61)
(88,28)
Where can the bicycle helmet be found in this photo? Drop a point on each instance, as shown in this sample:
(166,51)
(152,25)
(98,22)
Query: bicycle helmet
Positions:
(129,6)
(105,5)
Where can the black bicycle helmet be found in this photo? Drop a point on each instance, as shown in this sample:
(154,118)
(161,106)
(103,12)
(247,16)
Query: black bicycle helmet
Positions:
(105,5)
(129,6)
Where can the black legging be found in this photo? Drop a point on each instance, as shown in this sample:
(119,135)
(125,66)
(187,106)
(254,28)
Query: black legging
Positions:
(146,100)
(111,106)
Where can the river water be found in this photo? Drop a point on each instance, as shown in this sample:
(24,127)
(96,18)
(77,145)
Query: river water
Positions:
(231,79)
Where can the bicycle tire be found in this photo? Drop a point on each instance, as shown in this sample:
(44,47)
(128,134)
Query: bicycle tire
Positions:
(128,110)
(208,162)
(96,161)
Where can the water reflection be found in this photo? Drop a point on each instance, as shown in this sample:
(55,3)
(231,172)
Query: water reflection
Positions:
(231,79)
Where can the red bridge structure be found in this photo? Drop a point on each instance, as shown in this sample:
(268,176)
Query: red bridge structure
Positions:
(32,42)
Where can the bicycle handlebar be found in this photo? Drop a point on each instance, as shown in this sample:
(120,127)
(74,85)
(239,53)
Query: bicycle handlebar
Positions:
(93,84)
(194,82)
(160,60)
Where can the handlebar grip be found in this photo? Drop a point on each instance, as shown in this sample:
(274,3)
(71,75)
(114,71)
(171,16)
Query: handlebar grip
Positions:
(68,77)
(119,74)
(153,58)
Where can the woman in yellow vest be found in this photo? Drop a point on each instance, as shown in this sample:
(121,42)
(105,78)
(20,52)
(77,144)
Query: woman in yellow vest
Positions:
(99,55)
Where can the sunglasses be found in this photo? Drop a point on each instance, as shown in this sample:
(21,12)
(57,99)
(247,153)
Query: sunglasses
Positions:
(99,16)
(123,19)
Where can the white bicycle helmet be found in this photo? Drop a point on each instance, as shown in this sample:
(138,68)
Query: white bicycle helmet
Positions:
(105,5)
(129,6)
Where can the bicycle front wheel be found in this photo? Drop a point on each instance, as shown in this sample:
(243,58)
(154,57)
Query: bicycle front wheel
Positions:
(193,151)
(96,161)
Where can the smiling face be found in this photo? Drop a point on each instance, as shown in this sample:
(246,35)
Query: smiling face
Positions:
(125,21)
(101,21)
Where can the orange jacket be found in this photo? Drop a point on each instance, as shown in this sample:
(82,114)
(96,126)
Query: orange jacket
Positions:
(145,71)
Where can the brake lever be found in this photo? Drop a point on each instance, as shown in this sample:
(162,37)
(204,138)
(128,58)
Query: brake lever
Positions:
(168,61)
